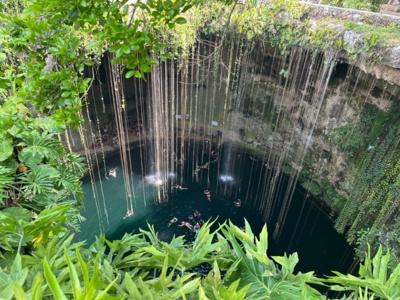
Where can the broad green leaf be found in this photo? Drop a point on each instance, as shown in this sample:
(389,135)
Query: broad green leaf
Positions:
(384,267)
(74,13)
(190,286)
(52,281)
(11,164)
(6,148)
(262,243)
(6,177)
(65,94)
(130,73)
(6,286)
(131,287)
(376,263)
(19,293)
(92,45)
(31,156)
(288,263)
(37,292)
(103,294)
(19,213)
(88,63)
(180,20)
(75,282)
(84,268)
(16,275)
(202,294)
(17,272)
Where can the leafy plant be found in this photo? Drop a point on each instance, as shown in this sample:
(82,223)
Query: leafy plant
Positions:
(141,266)
(374,278)
(260,272)
(387,236)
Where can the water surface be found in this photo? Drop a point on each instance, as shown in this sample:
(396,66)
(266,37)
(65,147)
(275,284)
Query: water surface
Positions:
(307,229)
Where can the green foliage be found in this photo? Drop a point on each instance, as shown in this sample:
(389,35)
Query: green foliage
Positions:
(18,231)
(373,198)
(368,5)
(249,20)
(374,278)
(323,36)
(16,277)
(366,50)
(6,178)
(335,199)
(266,280)
(387,235)
(45,48)
(141,266)
(353,139)
(308,158)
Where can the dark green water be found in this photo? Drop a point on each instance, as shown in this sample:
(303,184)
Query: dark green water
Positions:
(307,229)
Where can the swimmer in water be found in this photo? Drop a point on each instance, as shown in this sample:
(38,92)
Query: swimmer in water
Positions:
(208,195)
(129,214)
(205,166)
(267,165)
(179,187)
(196,229)
(196,170)
(187,224)
(172,221)
(112,172)
(197,215)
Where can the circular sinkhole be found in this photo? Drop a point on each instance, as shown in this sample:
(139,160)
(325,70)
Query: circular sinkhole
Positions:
(229,174)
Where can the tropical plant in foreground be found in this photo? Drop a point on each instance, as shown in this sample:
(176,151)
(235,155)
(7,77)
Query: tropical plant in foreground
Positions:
(373,278)
(141,266)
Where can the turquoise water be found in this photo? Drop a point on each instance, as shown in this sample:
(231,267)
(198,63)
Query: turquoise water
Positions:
(307,229)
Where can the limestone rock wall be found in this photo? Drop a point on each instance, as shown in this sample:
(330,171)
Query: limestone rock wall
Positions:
(349,89)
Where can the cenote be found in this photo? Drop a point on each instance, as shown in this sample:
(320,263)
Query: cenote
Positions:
(236,174)
(291,107)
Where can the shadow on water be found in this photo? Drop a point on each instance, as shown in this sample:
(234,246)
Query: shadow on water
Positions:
(307,229)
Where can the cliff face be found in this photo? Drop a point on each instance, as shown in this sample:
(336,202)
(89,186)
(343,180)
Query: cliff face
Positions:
(266,103)
(297,107)
(320,112)
(306,124)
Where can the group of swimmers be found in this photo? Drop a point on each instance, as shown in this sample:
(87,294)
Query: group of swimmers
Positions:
(195,218)
(238,202)
(104,140)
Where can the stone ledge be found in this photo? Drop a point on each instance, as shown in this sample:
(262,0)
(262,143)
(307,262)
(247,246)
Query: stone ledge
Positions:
(371,18)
